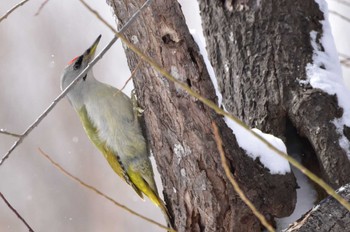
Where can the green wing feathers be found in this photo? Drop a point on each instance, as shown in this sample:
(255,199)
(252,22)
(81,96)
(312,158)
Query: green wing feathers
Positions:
(132,175)
(110,156)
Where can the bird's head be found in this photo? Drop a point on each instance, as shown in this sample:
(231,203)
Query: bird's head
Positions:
(78,64)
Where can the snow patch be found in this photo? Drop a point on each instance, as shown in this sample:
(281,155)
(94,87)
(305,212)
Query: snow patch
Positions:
(306,197)
(325,73)
(255,148)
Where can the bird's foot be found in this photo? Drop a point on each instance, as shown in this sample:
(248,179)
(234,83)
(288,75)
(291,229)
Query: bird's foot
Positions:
(137,109)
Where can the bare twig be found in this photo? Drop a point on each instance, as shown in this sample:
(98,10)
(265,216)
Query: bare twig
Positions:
(41,7)
(117,33)
(57,99)
(69,87)
(346,59)
(132,75)
(218,110)
(91,188)
(339,15)
(15,211)
(234,183)
(345,62)
(13,9)
(5,132)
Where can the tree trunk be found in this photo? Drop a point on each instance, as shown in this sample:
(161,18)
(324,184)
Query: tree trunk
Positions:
(259,51)
(196,189)
(328,216)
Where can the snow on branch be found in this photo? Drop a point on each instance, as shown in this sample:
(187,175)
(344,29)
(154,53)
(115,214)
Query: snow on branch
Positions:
(324,72)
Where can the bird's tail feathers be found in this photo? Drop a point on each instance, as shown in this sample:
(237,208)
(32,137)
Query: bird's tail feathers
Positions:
(142,185)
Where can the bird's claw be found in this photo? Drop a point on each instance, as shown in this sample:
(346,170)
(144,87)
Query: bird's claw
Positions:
(137,110)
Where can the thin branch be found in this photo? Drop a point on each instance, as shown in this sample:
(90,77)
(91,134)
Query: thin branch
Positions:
(57,99)
(5,132)
(15,211)
(69,87)
(117,33)
(218,110)
(339,15)
(132,75)
(345,62)
(91,188)
(234,183)
(12,9)
(41,7)
(346,59)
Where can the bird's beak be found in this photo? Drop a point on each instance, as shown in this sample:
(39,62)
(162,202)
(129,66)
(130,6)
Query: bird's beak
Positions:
(90,52)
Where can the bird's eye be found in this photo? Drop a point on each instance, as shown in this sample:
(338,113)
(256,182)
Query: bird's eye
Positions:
(78,62)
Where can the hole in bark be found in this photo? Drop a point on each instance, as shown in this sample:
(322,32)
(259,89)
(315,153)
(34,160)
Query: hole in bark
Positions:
(301,149)
(167,39)
(189,82)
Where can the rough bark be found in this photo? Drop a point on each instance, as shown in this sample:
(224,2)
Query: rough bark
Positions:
(196,189)
(327,216)
(259,50)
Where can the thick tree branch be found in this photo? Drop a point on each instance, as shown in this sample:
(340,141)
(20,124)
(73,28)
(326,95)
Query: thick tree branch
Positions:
(234,183)
(218,110)
(259,69)
(196,187)
(327,216)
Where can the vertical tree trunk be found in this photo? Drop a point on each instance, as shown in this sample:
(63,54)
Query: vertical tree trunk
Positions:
(196,188)
(259,50)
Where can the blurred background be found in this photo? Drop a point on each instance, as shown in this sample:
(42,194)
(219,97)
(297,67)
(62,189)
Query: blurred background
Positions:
(33,52)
